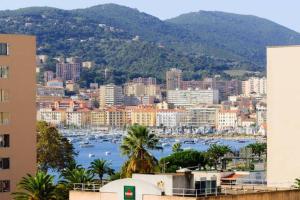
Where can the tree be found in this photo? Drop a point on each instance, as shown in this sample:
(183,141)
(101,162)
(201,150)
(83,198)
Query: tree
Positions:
(297,183)
(258,149)
(176,147)
(77,175)
(53,150)
(136,145)
(38,187)
(216,152)
(183,159)
(101,167)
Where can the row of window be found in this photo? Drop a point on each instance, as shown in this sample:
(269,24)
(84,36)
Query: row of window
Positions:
(4,185)
(4,118)
(4,72)
(3,49)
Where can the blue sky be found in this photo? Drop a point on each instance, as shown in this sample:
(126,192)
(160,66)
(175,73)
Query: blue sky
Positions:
(285,12)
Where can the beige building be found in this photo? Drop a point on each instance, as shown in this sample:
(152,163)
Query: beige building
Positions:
(173,79)
(17,112)
(255,85)
(283,67)
(111,95)
(116,117)
(52,116)
(145,116)
(227,119)
(98,118)
(201,116)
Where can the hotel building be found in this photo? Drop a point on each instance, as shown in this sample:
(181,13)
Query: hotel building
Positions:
(17,111)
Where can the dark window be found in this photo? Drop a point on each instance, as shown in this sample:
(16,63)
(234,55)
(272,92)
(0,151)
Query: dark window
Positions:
(4,140)
(3,49)
(3,72)
(4,185)
(4,163)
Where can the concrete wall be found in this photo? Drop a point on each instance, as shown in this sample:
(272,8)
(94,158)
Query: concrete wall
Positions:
(78,195)
(283,69)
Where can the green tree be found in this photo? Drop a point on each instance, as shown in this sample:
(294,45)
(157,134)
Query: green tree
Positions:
(38,187)
(216,152)
(183,159)
(176,147)
(101,167)
(53,150)
(258,149)
(136,145)
(77,175)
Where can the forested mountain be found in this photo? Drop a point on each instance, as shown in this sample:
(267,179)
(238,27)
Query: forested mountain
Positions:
(133,43)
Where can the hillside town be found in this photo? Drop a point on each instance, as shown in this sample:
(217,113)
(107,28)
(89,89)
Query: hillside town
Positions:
(211,105)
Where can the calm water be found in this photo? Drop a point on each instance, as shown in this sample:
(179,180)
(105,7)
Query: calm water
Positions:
(100,148)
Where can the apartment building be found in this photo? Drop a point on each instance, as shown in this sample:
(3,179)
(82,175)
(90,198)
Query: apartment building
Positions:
(110,95)
(17,111)
(79,118)
(283,115)
(116,117)
(201,116)
(173,79)
(192,97)
(255,85)
(227,119)
(98,118)
(52,116)
(170,118)
(145,116)
(68,70)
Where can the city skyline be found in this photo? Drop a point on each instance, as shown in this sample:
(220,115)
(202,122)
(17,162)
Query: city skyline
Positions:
(169,9)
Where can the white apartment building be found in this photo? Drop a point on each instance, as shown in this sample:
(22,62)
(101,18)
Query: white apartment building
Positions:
(54,117)
(202,116)
(261,114)
(170,118)
(111,95)
(78,118)
(192,97)
(227,119)
(255,85)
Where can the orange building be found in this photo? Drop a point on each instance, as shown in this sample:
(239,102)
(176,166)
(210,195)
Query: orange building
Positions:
(17,113)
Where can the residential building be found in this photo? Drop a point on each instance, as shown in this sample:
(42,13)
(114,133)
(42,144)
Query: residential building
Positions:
(71,86)
(170,118)
(98,118)
(68,71)
(227,119)
(116,117)
(18,113)
(52,116)
(144,115)
(48,76)
(110,95)
(261,113)
(173,79)
(50,91)
(146,81)
(88,64)
(79,118)
(283,115)
(255,85)
(192,97)
(202,116)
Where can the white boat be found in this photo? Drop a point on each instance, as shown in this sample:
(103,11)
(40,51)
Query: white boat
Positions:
(107,153)
(91,155)
(165,145)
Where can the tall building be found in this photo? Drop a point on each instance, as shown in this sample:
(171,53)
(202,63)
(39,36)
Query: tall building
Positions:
(255,85)
(146,81)
(192,97)
(174,78)
(283,115)
(17,111)
(111,95)
(68,70)
(48,76)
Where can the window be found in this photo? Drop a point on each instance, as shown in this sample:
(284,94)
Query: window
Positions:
(3,72)
(4,185)
(4,163)
(3,49)
(4,140)
(4,118)
(3,95)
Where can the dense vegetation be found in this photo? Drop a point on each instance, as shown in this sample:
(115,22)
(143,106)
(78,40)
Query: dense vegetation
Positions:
(200,43)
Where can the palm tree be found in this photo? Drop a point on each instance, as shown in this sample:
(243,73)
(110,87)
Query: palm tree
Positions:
(258,149)
(176,147)
(135,146)
(216,152)
(38,187)
(101,167)
(77,175)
